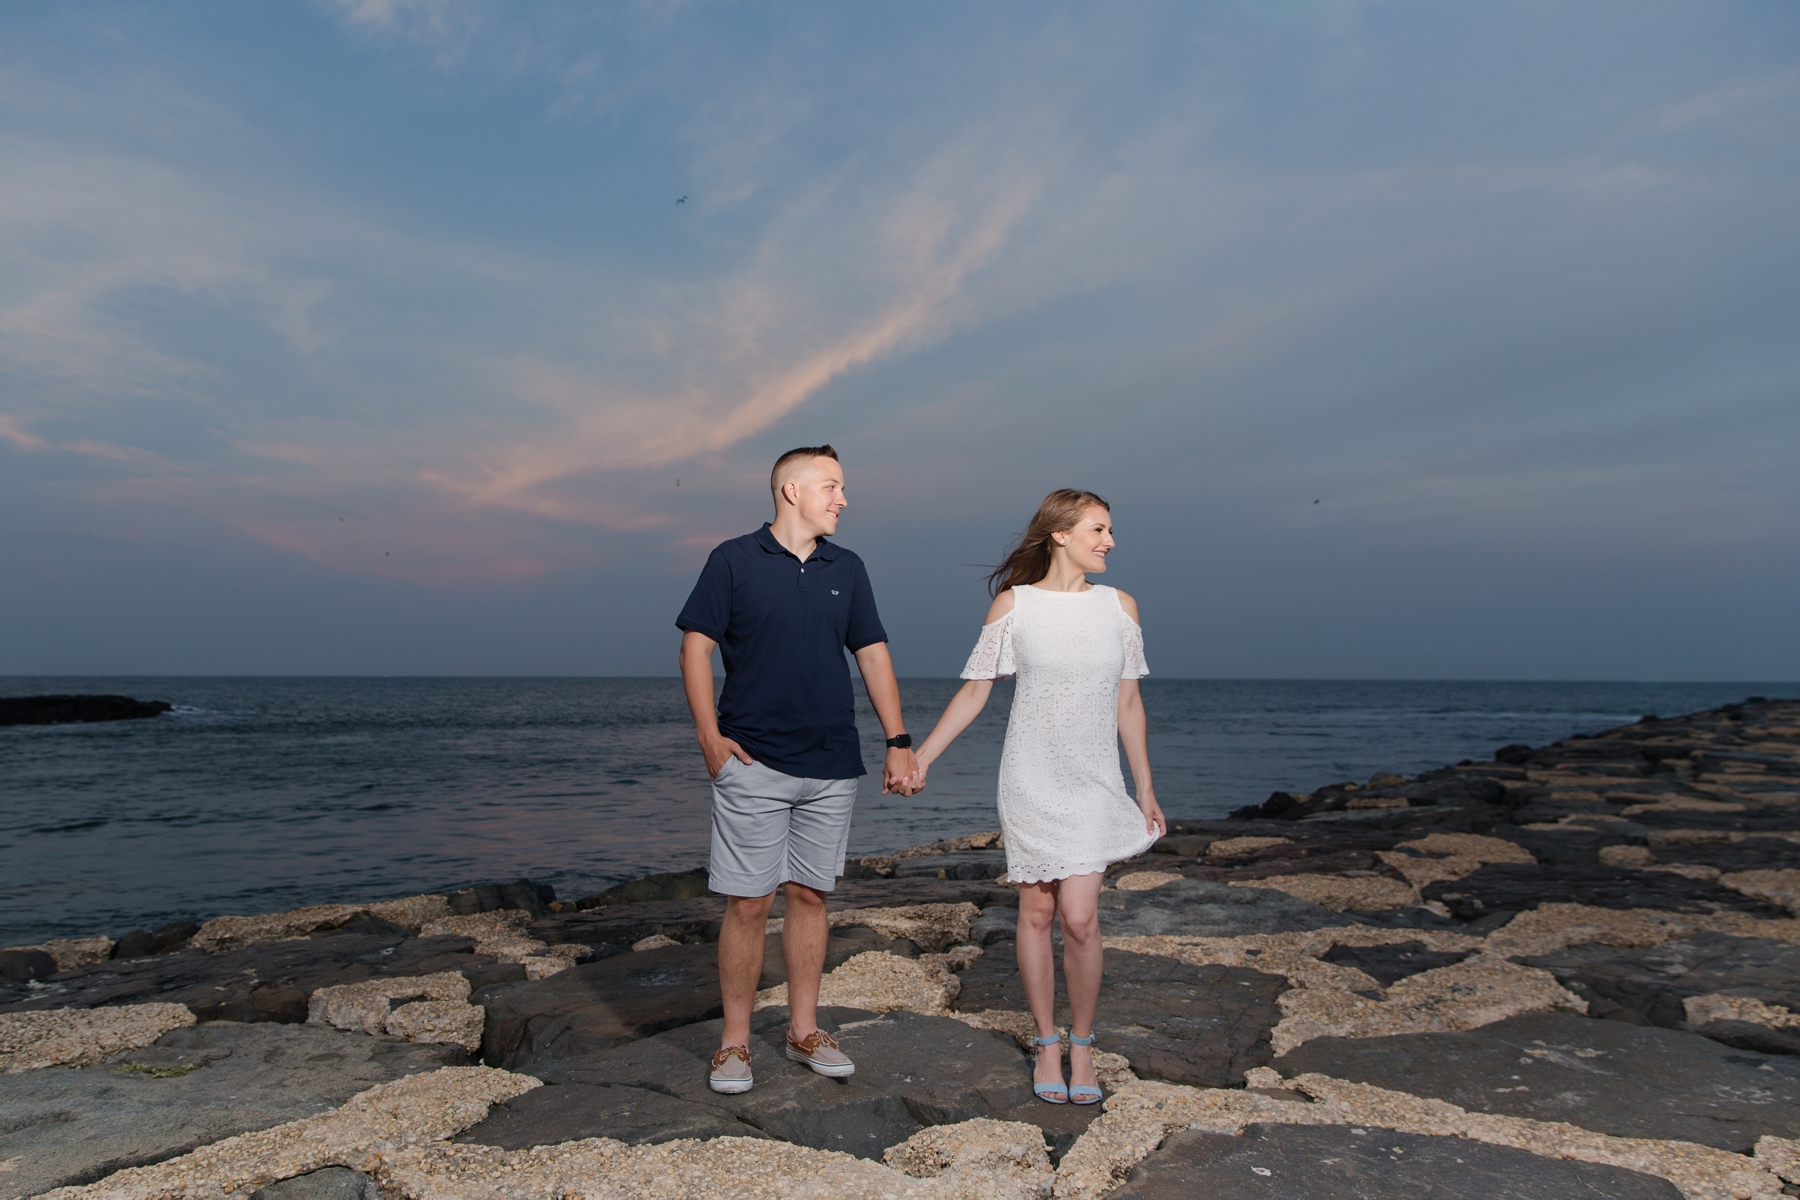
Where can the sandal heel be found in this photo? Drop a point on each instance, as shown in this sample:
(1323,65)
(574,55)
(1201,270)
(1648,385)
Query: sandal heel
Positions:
(1081,1093)
(1050,1093)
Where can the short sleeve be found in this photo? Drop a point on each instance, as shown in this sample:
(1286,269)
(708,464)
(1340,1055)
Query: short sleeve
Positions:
(1135,666)
(708,607)
(864,628)
(992,657)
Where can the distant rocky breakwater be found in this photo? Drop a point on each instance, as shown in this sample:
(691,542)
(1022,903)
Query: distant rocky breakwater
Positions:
(1574,969)
(71,710)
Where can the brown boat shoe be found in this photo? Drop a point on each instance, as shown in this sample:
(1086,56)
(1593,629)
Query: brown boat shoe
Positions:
(731,1071)
(819,1050)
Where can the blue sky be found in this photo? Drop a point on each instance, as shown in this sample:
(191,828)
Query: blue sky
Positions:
(367,336)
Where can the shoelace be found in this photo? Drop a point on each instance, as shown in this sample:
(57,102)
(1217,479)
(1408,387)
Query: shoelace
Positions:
(728,1052)
(814,1040)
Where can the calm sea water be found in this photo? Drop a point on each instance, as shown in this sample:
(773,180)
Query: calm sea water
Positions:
(263,794)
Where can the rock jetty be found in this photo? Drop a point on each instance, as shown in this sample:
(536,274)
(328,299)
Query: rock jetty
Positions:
(1572,970)
(68,710)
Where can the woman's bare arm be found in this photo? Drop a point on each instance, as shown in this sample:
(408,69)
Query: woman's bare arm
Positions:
(966,705)
(1134,733)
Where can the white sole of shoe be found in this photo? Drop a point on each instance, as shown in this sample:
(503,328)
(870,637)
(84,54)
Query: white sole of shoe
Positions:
(730,1087)
(831,1070)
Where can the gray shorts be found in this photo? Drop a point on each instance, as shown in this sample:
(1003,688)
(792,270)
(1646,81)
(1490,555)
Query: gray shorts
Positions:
(769,828)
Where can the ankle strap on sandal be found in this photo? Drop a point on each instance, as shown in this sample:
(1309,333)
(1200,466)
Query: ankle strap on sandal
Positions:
(1053,1040)
(1086,1041)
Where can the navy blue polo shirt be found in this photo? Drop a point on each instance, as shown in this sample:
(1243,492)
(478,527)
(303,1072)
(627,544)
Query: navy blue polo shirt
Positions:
(782,626)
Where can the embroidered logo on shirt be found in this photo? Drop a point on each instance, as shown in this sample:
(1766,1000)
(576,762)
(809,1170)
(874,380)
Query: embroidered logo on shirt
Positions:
(834,591)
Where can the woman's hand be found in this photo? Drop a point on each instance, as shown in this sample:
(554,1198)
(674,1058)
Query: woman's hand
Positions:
(1154,821)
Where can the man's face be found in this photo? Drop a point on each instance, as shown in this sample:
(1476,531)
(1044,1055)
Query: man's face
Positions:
(819,496)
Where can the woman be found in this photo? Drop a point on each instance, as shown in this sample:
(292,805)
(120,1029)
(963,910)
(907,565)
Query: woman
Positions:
(1078,652)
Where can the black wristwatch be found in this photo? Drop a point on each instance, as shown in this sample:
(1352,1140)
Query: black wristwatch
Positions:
(900,741)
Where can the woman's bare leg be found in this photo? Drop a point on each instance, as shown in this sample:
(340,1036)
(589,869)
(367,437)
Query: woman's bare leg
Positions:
(1078,899)
(1037,967)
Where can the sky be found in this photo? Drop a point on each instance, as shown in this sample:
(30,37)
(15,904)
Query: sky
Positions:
(1407,339)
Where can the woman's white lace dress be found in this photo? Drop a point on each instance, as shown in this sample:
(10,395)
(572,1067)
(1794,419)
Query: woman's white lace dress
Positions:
(1063,803)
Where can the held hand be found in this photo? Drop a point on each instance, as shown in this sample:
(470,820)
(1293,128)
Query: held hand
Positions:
(1154,821)
(917,782)
(897,772)
(717,750)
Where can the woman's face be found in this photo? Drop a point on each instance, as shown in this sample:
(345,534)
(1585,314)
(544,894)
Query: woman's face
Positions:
(1088,540)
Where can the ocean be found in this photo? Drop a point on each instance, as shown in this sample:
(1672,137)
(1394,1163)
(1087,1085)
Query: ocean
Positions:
(262,794)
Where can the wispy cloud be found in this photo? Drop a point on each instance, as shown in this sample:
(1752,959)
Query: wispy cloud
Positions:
(229,338)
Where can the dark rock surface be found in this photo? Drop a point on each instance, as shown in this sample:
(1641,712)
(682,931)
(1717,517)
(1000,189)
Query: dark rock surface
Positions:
(961,864)
(1611,1077)
(919,889)
(614,928)
(534,898)
(1751,854)
(1334,1162)
(68,710)
(1653,981)
(1391,963)
(1516,886)
(537,1026)
(141,942)
(1747,1035)
(266,982)
(671,885)
(1203,1026)
(332,1183)
(193,1086)
(22,966)
(569,1111)
(1201,909)
(994,924)
(911,1071)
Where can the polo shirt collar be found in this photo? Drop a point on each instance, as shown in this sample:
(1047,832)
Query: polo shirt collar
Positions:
(765,537)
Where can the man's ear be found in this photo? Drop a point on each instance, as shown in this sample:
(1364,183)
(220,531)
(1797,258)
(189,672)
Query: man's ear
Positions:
(791,492)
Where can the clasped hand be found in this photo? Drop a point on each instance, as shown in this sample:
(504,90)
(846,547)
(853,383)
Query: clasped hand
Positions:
(902,774)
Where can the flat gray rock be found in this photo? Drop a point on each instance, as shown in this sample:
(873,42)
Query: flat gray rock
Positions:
(962,864)
(1518,886)
(567,1112)
(994,924)
(1626,1080)
(1393,962)
(1333,1162)
(1202,1026)
(61,1127)
(911,1071)
(266,982)
(541,1025)
(1652,981)
(331,1183)
(1198,908)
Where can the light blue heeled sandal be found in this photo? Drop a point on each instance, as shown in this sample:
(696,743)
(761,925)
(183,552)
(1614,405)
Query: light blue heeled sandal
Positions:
(1050,1093)
(1077,1090)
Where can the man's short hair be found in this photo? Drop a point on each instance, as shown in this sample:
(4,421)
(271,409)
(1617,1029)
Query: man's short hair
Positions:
(793,456)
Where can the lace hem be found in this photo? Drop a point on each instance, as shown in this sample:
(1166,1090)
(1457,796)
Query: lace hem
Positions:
(992,657)
(1053,874)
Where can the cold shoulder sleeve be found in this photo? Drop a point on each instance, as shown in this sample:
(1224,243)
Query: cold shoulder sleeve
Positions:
(1135,666)
(992,657)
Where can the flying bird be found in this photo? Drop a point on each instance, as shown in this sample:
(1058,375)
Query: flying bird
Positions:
(1315,501)
(682,200)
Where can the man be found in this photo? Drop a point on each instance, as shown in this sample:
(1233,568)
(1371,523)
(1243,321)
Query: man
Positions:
(783,604)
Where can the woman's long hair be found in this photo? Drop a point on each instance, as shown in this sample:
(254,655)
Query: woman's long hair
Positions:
(1028,559)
